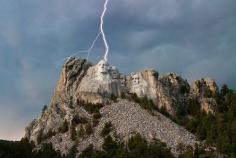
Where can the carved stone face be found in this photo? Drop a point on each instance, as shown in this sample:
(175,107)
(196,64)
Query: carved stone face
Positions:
(103,67)
(135,79)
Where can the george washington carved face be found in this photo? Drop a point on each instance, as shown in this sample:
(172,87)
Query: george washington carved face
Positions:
(102,67)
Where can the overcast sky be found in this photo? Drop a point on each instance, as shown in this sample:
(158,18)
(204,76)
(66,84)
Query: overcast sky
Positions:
(194,38)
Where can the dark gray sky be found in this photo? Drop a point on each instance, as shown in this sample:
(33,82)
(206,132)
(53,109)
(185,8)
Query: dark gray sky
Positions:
(194,38)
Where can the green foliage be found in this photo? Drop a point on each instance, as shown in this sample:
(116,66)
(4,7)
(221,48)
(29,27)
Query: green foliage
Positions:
(70,103)
(137,148)
(123,96)
(184,89)
(164,111)
(79,120)
(217,130)
(88,129)
(50,134)
(96,117)
(113,97)
(65,127)
(106,129)
(208,93)
(81,132)
(73,152)
(46,152)
(23,149)
(20,149)
(193,107)
(90,107)
(109,144)
(144,102)
(73,134)
(44,109)
(225,90)
(198,152)
(137,143)
(39,138)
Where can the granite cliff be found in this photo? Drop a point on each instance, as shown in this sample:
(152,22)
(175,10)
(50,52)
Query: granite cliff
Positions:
(89,96)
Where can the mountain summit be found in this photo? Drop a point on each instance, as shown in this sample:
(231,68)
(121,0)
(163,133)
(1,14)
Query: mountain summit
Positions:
(92,101)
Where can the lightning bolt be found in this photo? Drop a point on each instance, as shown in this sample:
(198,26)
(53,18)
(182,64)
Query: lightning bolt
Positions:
(102,31)
(92,45)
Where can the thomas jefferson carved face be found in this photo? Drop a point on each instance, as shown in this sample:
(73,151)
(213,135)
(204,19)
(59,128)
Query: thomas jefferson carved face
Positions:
(103,67)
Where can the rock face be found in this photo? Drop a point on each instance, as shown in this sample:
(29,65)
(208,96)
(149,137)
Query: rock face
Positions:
(81,82)
(101,81)
(205,91)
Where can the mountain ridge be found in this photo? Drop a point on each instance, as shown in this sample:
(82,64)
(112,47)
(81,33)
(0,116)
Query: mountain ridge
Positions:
(84,86)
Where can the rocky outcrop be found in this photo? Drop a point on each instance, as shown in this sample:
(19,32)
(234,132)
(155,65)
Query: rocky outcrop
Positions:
(169,91)
(175,89)
(81,80)
(205,91)
(82,83)
(205,88)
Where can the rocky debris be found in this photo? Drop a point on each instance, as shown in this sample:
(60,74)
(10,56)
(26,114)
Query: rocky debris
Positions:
(205,90)
(129,118)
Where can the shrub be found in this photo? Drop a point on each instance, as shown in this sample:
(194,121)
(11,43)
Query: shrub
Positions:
(44,109)
(113,97)
(137,142)
(184,89)
(144,102)
(96,117)
(46,151)
(109,143)
(90,107)
(88,129)
(72,153)
(81,132)
(73,135)
(49,134)
(139,148)
(65,127)
(163,111)
(40,136)
(123,96)
(106,129)
(89,152)
(79,120)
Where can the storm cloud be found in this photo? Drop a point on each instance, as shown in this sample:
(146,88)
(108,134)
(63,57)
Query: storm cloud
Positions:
(194,38)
